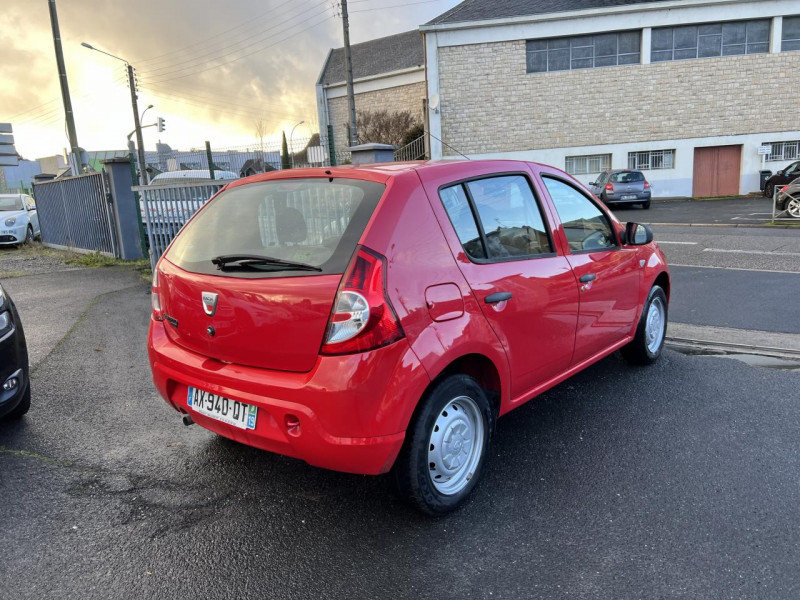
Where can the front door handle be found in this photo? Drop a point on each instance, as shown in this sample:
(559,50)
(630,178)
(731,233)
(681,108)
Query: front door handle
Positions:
(497,297)
(587,278)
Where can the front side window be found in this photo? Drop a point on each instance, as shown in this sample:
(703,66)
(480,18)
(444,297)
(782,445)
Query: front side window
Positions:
(583,52)
(790,39)
(709,40)
(586,227)
(510,222)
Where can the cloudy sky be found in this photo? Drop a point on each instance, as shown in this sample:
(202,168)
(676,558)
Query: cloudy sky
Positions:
(211,69)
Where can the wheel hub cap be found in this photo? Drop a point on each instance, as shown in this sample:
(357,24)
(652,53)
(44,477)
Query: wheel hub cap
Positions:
(456,445)
(654,326)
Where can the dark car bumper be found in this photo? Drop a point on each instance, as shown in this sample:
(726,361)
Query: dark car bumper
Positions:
(626,197)
(13,364)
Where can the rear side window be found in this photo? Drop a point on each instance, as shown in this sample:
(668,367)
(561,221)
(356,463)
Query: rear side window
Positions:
(627,177)
(586,227)
(510,223)
(313,221)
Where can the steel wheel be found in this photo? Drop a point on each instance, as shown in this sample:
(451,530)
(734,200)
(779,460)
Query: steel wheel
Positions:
(655,325)
(29,235)
(456,445)
(793,208)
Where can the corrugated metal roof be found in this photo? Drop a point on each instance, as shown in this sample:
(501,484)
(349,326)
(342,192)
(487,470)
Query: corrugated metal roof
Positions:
(375,57)
(482,10)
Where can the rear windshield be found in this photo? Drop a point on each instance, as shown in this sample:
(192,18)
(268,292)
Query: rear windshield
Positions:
(314,221)
(627,177)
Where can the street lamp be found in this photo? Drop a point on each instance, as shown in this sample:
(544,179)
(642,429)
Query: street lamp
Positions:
(141,117)
(291,145)
(137,123)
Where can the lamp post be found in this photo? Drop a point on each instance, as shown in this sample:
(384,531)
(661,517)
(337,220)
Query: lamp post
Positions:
(134,104)
(291,145)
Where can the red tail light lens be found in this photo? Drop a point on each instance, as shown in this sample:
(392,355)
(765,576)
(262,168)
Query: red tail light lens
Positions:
(362,318)
(784,188)
(155,299)
(646,185)
(609,187)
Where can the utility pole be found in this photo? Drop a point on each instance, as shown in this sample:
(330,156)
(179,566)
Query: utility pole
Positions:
(138,125)
(62,77)
(348,65)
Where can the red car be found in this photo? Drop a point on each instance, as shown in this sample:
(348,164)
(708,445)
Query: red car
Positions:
(380,318)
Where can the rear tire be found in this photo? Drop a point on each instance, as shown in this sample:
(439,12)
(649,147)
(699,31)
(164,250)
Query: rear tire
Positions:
(793,208)
(646,205)
(446,446)
(769,191)
(22,408)
(647,344)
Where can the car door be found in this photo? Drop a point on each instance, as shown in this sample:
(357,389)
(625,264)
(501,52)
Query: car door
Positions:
(33,215)
(608,274)
(599,183)
(504,247)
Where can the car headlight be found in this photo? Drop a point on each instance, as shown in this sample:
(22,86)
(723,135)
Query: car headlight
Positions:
(6,325)
(10,221)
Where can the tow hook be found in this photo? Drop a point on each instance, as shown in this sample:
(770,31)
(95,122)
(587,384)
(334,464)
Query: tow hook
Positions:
(187,420)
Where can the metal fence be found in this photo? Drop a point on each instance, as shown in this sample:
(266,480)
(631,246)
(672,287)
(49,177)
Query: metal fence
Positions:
(415,150)
(75,214)
(166,208)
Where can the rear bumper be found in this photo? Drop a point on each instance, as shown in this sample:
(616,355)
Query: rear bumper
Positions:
(353,410)
(614,198)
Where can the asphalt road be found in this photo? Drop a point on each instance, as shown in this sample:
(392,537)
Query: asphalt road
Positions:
(678,480)
(747,210)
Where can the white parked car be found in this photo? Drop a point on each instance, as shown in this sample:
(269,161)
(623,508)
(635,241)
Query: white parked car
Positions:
(19,221)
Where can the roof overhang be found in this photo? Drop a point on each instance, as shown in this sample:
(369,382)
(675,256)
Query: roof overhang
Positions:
(374,77)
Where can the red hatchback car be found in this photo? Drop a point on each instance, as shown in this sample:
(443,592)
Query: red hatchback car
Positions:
(380,318)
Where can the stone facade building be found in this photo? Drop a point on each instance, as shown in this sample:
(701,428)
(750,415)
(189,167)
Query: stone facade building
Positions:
(388,74)
(688,92)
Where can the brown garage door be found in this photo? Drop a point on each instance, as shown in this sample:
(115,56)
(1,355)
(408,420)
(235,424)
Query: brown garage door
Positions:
(716,171)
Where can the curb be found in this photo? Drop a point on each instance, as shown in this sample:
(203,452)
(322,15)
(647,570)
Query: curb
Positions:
(744,225)
(731,348)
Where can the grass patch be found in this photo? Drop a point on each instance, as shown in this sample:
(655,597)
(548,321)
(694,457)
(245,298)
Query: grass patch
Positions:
(95,259)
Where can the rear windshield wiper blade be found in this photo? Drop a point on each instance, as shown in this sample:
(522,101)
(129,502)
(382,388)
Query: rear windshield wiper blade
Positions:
(254,260)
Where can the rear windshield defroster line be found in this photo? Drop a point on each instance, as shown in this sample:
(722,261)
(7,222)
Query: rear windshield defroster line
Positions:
(315,221)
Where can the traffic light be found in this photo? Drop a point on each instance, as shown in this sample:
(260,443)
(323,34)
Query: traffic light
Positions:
(161,125)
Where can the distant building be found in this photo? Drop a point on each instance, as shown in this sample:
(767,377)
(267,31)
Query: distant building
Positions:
(388,74)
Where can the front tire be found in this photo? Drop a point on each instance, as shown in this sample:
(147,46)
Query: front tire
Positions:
(445,447)
(29,235)
(647,344)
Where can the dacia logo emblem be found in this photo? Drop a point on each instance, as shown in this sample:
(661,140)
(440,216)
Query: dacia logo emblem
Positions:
(210,303)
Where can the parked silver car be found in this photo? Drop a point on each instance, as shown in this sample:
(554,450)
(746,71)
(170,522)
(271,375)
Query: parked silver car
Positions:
(622,186)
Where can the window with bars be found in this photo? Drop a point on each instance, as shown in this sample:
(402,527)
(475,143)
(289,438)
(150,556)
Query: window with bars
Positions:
(651,159)
(790,39)
(583,52)
(590,163)
(709,40)
(784,150)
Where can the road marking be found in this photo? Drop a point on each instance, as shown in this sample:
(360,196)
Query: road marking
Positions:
(760,252)
(682,243)
(734,269)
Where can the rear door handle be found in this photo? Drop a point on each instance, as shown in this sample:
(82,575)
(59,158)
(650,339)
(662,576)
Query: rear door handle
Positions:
(587,278)
(497,297)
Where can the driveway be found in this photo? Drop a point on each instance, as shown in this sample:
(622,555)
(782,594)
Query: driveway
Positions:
(678,480)
(749,210)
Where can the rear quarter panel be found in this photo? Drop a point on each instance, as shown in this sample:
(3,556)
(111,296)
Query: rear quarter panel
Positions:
(406,231)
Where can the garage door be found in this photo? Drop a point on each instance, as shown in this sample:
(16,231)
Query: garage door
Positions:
(716,171)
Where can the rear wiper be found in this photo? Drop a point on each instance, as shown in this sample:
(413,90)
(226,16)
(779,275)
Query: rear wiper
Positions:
(253,260)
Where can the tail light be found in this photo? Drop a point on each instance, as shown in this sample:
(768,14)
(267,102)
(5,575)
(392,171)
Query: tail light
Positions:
(646,185)
(784,188)
(155,299)
(609,187)
(362,318)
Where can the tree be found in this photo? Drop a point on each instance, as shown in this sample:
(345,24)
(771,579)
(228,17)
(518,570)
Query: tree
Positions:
(384,127)
(286,161)
(260,128)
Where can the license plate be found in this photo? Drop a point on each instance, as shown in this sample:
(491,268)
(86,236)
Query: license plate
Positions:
(630,197)
(228,411)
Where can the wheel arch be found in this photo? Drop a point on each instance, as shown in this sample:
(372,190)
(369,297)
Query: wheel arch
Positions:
(478,366)
(662,280)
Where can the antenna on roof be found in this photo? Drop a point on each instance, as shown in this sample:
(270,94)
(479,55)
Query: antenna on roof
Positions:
(448,145)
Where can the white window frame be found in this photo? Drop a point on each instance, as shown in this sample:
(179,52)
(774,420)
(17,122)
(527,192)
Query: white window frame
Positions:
(585,164)
(651,160)
(783,151)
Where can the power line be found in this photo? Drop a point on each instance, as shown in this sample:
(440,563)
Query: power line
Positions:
(327,18)
(201,58)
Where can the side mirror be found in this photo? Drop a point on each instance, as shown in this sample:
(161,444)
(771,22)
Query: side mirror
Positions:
(638,235)
(592,183)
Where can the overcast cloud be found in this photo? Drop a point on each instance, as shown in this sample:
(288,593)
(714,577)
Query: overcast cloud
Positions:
(274,50)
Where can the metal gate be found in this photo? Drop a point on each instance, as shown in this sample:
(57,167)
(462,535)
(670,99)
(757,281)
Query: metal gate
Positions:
(165,209)
(75,214)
